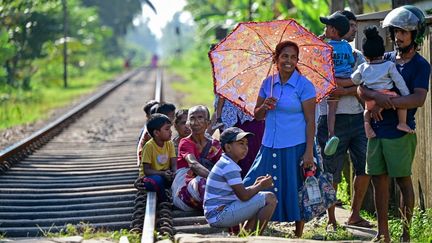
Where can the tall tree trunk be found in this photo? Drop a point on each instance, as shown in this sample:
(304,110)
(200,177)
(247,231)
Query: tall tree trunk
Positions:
(337,5)
(356,6)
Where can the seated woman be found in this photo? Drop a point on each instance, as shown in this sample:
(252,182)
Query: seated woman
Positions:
(197,153)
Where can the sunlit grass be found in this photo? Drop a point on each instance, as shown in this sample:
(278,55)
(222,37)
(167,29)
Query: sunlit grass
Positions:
(195,70)
(19,106)
(320,233)
(88,232)
(421,227)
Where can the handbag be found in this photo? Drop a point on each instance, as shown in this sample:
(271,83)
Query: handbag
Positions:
(308,210)
(203,157)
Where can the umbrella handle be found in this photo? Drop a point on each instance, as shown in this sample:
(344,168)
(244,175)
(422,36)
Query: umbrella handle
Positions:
(272,84)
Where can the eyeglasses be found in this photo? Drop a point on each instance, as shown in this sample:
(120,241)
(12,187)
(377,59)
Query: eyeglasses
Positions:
(197,119)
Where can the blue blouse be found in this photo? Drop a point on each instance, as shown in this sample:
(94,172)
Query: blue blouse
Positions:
(285,126)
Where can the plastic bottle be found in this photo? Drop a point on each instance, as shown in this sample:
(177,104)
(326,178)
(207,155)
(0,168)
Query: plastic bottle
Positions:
(312,187)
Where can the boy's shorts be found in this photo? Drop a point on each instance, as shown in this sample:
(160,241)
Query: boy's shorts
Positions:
(239,211)
(391,156)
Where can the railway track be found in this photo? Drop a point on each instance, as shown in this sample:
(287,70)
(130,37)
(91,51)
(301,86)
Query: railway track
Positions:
(156,220)
(80,168)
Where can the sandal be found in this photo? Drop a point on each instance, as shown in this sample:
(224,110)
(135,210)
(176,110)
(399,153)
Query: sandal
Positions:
(331,146)
(331,228)
(361,223)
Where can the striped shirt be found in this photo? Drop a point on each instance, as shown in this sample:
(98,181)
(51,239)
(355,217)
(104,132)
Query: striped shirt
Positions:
(218,191)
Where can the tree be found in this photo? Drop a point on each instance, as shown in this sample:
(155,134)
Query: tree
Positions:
(29,25)
(356,6)
(118,15)
(32,27)
(337,5)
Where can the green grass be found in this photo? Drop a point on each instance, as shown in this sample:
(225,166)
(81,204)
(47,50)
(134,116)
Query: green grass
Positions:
(195,70)
(342,192)
(88,232)
(319,233)
(421,226)
(19,106)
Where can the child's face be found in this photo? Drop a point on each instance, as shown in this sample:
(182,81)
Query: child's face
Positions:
(331,32)
(237,150)
(182,129)
(164,134)
(171,116)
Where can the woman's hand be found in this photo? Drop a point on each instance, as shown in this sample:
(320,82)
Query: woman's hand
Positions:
(308,160)
(269,103)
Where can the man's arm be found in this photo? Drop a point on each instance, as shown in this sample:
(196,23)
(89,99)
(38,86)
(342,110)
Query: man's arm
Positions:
(411,101)
(345,86)
(382,100)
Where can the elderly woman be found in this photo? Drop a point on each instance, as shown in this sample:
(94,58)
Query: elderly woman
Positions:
(197,153)
(287,102)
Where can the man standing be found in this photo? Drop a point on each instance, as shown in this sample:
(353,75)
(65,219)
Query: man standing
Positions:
(391,152)
(349,128)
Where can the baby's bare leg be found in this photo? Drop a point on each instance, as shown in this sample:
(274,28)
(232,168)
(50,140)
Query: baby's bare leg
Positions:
(370,133)
(331,116)
(402,114)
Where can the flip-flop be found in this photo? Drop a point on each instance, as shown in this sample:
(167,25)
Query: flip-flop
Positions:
(361,223)
(331,146)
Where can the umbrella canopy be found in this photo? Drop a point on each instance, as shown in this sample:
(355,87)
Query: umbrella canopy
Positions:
(242,60)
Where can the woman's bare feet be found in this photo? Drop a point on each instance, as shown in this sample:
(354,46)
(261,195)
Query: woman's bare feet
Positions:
(369,131)
(405,128)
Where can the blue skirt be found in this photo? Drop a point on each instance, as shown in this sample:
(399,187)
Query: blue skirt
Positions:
(284,166)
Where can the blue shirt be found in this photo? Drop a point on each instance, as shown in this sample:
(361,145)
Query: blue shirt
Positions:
(416,74)
(343,58)
(285,126)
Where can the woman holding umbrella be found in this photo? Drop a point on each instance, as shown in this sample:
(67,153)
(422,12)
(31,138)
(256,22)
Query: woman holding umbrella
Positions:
(286,101)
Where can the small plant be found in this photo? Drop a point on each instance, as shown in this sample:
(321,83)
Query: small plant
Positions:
(420,230)
(243,233)
(89,232)
(320,233)
(342,192)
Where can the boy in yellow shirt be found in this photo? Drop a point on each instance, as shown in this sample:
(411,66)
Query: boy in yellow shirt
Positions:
(158,156)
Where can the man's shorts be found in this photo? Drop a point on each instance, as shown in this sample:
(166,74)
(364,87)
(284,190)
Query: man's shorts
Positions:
(349,128)
(391,156)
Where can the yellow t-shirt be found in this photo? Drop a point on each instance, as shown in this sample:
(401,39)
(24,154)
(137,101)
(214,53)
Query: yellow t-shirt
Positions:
(157,157)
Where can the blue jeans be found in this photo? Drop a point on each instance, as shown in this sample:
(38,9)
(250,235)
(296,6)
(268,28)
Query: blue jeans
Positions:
(238,212)
(156,183)
(349,128)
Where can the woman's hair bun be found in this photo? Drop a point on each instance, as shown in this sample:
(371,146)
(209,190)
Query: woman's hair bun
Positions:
(371,32)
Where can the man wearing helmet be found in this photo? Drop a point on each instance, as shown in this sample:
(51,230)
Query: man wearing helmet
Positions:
(391,153)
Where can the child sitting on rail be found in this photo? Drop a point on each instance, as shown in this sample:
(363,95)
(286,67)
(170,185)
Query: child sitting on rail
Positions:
(227,202)
(144,136)
(158,156)
(150,108)
(181,128)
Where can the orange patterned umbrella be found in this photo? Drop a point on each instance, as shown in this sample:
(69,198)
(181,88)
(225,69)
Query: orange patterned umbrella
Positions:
(242,60)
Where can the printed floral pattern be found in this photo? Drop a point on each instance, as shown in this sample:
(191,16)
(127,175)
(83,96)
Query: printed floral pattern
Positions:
(328,198)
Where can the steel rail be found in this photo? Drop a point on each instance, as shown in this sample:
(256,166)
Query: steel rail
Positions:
(26,146)
(148,230)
